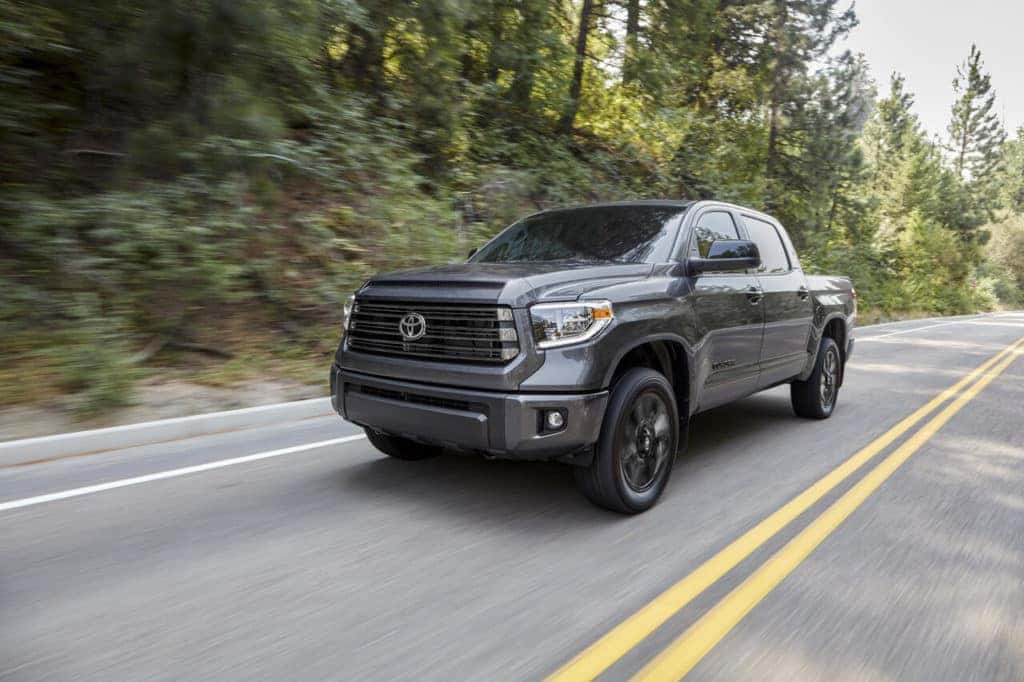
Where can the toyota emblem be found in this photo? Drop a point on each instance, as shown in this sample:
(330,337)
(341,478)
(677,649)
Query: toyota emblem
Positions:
(412,327)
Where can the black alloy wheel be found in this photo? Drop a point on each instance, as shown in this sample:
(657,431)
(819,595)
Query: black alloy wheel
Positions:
(816,397)
(644,441)
(639,438)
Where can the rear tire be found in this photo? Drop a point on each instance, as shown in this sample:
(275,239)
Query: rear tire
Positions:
(401,448)
(637,446)
(816,398)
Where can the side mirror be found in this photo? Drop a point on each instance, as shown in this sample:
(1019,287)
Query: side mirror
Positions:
(725,255)
(472,252)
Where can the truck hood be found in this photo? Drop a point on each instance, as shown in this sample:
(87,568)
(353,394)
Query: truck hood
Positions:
(514,284)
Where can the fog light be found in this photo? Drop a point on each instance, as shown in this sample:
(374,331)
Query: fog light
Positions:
(554,420)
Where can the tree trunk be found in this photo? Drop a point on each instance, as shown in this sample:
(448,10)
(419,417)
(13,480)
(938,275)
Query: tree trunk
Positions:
(528,40)
(364,62)
(493,52)
(833,207)
(773,138)
(775,98)
(467,65)
(630,59)
(964,136)
(568,121)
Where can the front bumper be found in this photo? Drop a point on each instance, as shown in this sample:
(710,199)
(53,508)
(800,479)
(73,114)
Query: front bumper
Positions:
(506,425)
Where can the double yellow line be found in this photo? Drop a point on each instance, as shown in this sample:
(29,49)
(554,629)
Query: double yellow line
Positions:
(686,651)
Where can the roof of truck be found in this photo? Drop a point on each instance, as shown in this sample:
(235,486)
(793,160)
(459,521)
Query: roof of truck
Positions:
(677,203)
(681,203)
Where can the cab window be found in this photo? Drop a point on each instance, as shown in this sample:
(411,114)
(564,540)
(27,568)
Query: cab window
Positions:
(773,254)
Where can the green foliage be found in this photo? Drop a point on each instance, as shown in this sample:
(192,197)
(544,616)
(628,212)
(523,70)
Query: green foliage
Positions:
(1005,265)
(193,171)
(1011,180)
(976,136)
(95,367)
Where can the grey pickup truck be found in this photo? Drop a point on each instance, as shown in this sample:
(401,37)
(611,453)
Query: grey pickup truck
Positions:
(590,336)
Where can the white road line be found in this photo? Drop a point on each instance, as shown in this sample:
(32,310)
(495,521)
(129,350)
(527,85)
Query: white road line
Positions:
(915,329)
(171,473)
(880,325)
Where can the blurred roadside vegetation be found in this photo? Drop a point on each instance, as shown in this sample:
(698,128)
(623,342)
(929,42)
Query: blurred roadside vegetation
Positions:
(192,187)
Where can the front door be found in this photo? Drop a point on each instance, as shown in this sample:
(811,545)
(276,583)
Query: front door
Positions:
(729,310)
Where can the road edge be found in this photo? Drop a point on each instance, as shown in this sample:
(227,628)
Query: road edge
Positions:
(75,443)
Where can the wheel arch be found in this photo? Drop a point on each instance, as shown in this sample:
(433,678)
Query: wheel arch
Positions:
(665,353)
(833,326)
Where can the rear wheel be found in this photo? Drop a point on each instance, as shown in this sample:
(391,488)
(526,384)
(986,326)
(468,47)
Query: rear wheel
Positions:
(401,448)
(816,397)
(637,446)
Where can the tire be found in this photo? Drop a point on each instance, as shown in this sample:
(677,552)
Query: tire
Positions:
(401,448)
(816,398)
(637,446)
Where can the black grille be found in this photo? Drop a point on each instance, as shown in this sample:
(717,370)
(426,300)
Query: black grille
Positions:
(419,399)
(464,333)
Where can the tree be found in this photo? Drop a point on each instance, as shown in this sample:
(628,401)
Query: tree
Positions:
(528,41)
(844,102)
(975,134)
(568,120)
(631,57)
(797,32)
(896,114)
(892,125)
(1006,251)
(1011,180)
(775,45)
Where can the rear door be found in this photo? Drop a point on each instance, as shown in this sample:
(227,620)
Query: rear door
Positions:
(729,311)
(788,308)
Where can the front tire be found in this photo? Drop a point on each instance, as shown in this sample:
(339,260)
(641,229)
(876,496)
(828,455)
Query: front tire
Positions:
(637,446)
(401,448)
(816,397)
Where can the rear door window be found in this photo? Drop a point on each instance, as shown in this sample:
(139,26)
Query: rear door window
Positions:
(773,254)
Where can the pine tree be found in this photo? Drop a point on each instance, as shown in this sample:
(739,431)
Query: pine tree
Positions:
(844,101)
(896,115)
(976,135)
(892,124)
(797,32)
(586,22)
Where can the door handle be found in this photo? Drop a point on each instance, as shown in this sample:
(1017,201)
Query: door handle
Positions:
(803,293)
(754,295)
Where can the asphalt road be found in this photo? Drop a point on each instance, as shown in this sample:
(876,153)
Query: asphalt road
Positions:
(335,562)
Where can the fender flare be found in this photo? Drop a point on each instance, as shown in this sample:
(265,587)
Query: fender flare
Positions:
(814,344)
(691,388)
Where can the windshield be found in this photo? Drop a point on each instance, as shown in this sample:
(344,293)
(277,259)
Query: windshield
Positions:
(598,234)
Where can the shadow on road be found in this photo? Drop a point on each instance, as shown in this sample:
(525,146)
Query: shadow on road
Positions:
(744,418)
(497,490)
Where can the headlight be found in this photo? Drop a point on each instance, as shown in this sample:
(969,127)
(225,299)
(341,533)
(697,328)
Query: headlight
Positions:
(561,324)
(346,311)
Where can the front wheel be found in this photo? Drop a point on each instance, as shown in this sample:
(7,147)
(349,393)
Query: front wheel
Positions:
(816,397)
(637,446)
